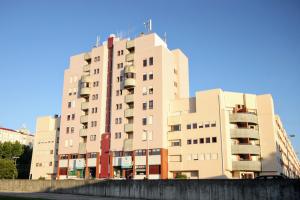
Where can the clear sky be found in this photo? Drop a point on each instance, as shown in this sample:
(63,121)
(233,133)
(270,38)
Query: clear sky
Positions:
(244,46)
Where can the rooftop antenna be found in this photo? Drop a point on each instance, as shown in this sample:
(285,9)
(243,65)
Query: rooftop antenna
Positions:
(98,41)
(165,37)
(148,25)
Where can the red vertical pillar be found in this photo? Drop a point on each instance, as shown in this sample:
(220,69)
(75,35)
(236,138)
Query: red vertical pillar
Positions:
(147,163)
(97,165)
(164,163)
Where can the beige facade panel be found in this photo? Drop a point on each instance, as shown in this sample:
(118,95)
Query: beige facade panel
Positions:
(243,117)
(245,149)
(244,133)
(246,166)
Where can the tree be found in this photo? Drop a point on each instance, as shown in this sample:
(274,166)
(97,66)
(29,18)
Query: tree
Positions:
(9,150)
(24,162)
(8,169)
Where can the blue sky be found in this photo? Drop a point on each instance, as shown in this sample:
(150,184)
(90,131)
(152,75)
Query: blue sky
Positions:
(244,46)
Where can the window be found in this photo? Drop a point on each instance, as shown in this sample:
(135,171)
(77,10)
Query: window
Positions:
(213,124)
(69,104)
(68,129)
(207,140)
(151,61)
(72,129)
(118,53)
(117,135)
(201,141)
(150,76)
(73,116)
(207,125)
(188,126)
(214,139)
(151,104)
(194,125)
(144,77)
(144,135)
(50,164)
(51,151)
(189,141)
(201,125)
(68,117)
(117,93)
(122,52)
(175,84)
(92,137)
(150,119)
(150,90)
(144,91)
(145,106)
(176,127)
(195,141)
(144,121)
(145,63)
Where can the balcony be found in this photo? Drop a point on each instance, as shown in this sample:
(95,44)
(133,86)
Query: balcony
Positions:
(129,82)
(84,119)
(83,132)
(244,133)
(245,149)
(129,57)
(128,128)
(86,79)
(82,148)
(87,57)
(246,166)
(129,69)
(85,91)
(128,112)
(84,105)
(127,145)
(130,44)
(86,68)
(243,117)
(128,98)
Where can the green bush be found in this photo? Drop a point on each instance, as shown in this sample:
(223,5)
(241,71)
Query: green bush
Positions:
(181,176)
(8,169)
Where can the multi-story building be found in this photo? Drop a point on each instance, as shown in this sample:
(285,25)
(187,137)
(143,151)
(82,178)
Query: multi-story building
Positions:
(114,98)
(225,134)
(45,150)
(126,112)
(22,136)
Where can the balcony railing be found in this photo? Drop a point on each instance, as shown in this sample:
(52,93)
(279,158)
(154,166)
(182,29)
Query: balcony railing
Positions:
(245,149)
(129,82)
(128,112)
(86,79)
(129,98)
(82,148)
(85,91)
(129,44)
(86,68)
(128,128)
(84,119)
(87,56)
(129,57)
(84,105)
(83,132)
(127,146)
(129,69)
(244,133)
(246,166)
(243,117)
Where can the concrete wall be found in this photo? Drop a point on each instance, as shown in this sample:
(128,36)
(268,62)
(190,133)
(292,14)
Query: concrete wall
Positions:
(165,189)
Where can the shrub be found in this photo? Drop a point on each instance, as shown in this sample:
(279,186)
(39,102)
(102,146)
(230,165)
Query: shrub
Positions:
(8,169)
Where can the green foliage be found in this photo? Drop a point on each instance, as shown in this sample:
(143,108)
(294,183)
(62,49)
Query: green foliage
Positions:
(181,176)
(24,162)
(9,150)
(8,169)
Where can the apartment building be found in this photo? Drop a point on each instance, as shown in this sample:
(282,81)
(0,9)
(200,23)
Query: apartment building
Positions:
(219,134)
(127,113)
(44,160)
(115,105)
(22,136)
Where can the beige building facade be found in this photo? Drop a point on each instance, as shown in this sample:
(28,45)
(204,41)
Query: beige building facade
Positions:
(44,160)
(219,134)
(22,136)
(127,113)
